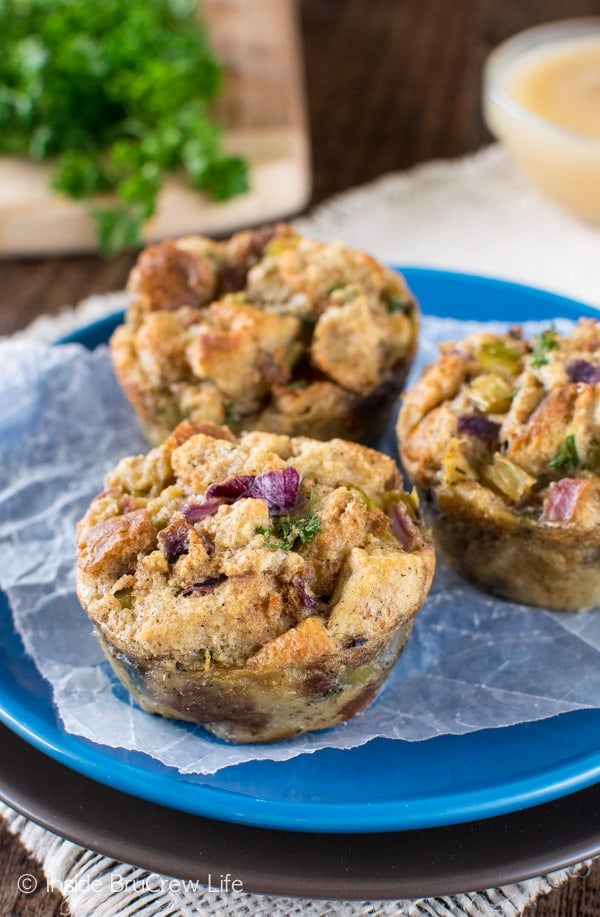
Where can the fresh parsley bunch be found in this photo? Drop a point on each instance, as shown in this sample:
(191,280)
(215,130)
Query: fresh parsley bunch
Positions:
(115,92)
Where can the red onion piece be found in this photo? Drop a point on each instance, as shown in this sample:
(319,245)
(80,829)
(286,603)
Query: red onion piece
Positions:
(403,526)
(205,587)
(196,512)
(279,489)
(231,490)
(562,499)
(174,541)
(582,371)
(307,598)
(479,426)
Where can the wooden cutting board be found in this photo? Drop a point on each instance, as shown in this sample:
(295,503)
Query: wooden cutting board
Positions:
(262,108)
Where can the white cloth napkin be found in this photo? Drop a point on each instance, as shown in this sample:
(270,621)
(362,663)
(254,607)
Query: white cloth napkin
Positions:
(478,215)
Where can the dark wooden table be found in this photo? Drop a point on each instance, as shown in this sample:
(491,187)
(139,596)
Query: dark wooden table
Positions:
(389,83)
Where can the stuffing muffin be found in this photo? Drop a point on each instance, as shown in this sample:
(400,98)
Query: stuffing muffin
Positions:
(268,331)
(263,586)
(502,437)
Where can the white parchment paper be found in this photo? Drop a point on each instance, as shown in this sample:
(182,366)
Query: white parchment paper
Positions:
(472,662)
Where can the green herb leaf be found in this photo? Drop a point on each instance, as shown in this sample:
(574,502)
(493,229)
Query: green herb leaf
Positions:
(228,410)
(224,178)
(567,457)
(395,303)
(546,342)
(117,229)
(79,174)
(285,531)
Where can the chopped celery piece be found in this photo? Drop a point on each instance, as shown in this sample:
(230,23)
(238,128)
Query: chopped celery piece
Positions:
(455,467)
(498,357)
(125,598)
(277,246)
(294,353)
(491,393)
(336,285)
(411,501)
(358,676)
(511,480)
(365,497)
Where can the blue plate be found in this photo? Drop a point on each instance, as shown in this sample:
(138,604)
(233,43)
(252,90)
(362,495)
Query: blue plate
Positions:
(385,785)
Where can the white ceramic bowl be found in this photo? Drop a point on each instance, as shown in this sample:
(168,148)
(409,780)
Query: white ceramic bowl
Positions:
(563,162)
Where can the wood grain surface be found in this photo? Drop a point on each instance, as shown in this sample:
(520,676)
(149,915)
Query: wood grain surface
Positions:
(389,83)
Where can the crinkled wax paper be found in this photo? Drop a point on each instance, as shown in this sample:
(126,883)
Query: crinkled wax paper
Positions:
(472,661)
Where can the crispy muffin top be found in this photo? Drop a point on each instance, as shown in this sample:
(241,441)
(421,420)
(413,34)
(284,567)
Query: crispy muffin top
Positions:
(252,552)
(266,326)
(512,426)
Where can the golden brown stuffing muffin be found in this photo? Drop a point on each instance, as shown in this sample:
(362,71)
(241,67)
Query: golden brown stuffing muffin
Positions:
(263,586)
(268,331)
(502,436)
